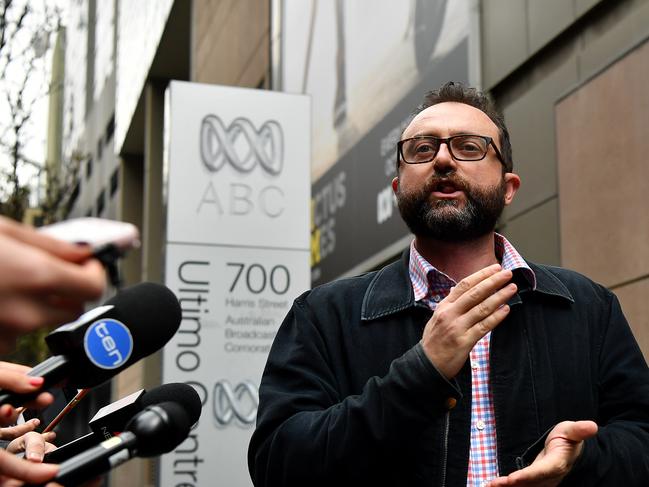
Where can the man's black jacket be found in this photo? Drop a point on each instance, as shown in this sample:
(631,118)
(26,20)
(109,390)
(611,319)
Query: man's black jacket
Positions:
(349,398)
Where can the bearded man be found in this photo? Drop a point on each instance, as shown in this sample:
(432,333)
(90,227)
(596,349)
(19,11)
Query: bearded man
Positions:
(462,363)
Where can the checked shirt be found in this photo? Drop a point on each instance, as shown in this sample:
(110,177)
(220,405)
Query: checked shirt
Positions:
(430,286)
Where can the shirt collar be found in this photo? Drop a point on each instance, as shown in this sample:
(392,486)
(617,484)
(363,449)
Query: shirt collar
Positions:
(429,282)
(390,289)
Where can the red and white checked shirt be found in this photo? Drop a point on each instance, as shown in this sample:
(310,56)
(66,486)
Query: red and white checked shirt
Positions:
(430,287)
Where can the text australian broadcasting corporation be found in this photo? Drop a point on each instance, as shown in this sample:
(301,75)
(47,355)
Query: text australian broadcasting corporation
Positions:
(192,295)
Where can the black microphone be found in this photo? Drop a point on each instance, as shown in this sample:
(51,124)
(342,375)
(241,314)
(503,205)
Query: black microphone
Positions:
(133,324)
(114,417)
(154,431)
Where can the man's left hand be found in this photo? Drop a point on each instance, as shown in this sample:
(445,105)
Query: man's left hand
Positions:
(562,448)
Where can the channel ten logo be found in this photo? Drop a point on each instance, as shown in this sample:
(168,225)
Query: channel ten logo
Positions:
(108,343)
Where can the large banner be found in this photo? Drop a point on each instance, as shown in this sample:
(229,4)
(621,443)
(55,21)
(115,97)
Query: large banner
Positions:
(237,254)
(367,65)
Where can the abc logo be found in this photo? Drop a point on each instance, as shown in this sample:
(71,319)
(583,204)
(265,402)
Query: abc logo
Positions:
(108,343)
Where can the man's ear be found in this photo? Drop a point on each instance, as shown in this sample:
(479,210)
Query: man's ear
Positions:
(395,185)
(512,183)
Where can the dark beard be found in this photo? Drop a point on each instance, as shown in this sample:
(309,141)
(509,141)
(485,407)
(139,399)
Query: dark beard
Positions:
(443,220)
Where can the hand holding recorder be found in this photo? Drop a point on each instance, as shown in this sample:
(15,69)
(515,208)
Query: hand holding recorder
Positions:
(44,281)
(47,275)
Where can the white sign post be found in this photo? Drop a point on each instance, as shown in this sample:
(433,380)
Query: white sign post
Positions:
(237,254)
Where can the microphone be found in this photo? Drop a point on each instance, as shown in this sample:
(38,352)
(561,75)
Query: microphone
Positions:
(154,431)
(102,342)
(114,417)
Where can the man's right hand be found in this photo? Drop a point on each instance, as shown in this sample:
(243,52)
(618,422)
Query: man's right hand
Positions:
(471,310)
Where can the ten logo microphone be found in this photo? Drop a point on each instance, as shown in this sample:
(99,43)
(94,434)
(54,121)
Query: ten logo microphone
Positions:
(136,322)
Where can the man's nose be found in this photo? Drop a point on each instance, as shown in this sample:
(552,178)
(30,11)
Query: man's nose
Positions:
(444,162)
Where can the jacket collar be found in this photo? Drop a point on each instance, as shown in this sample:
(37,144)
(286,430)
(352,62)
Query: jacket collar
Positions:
(549,284)
(390,290)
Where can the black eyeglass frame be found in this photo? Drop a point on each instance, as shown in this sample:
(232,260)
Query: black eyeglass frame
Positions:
(447,140)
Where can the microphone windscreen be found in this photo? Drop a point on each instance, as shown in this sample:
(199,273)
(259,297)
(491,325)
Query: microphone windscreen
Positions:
(102,342)
(151,312)
(160,428)
(182,394)
(142,320)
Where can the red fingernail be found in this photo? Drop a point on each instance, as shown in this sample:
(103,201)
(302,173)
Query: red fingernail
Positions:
(36,381)
(9,412)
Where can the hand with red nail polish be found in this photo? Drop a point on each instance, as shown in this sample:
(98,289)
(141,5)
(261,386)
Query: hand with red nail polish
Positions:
(13,377)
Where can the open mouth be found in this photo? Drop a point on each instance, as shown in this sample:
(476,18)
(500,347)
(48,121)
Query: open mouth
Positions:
(446,189)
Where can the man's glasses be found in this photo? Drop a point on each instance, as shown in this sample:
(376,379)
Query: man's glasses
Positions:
(465,147)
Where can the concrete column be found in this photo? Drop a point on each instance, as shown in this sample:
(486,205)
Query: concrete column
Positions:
(152,216)
(130,210)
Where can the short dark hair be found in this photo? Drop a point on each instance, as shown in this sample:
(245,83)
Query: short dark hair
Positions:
(453,91)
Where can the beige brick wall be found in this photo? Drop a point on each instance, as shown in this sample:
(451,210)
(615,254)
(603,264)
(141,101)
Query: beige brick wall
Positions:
(230,42)
(602,149)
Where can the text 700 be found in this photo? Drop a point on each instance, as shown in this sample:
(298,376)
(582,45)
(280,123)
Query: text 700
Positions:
(256,277)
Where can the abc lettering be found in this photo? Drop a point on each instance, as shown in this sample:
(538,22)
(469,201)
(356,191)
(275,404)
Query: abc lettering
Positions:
(108,342)
(239,199)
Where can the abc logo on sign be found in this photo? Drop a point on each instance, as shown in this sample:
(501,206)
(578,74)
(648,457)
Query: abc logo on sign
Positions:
(240,403)
(108,343)
(243,146)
